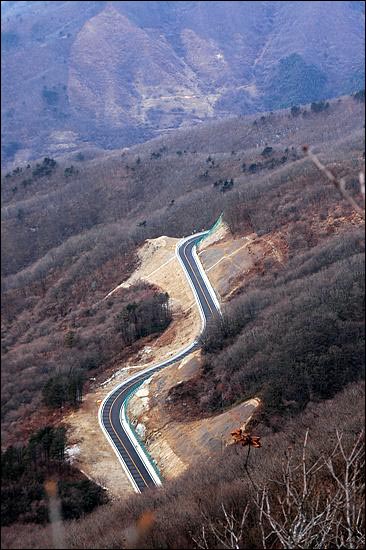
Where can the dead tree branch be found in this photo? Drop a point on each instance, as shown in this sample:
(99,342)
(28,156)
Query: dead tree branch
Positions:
(228,532)
(339,183)
(304,516)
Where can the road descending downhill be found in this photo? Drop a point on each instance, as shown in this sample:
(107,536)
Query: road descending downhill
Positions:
(112,414)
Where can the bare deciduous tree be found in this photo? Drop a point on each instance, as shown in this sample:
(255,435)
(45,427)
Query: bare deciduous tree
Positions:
(310,514)
(228,532)
(313,504)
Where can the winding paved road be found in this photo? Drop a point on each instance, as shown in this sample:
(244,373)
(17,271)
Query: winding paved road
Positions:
(112,416)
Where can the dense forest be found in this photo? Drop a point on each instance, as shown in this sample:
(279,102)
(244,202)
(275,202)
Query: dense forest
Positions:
(26,469)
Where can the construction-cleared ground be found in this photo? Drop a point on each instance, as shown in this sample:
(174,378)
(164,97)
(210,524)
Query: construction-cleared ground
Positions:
(228,260)
(90,449)
(174,445)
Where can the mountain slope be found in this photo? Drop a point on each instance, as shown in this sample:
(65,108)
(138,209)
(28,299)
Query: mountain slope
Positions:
(109,74)
(70,228)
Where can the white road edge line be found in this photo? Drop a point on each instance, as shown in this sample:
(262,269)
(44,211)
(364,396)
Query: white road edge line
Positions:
(124,421)
(131,436)
(122,462)
(178,245)
(125,424)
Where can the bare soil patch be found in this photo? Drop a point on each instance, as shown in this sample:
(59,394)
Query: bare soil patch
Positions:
(159,266)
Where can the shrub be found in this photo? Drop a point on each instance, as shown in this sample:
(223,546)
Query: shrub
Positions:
(146,317)
(79,497)
(359,96)
(70,171)
(267,151)
(50,96)
(45,169)
(318,107)
(63,389)
(295,111)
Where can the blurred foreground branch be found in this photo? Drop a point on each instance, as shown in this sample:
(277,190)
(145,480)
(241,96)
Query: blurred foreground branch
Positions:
(55,516)
(339,183)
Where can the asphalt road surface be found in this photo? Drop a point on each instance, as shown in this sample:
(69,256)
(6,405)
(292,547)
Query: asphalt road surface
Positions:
(136,466)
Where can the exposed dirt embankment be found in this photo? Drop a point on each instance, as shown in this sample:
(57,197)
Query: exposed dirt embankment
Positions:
(227,260)
(175,444)
(173,441)
(158,265)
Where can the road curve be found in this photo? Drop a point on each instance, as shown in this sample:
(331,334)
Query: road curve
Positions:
(112,415)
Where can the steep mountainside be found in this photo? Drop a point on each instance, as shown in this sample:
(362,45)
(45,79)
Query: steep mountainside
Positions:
(70,228)
(79,75)
(292,333)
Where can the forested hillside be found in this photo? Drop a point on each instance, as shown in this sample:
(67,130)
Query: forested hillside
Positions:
(112,74)
(294,337)
(70,231)
(292,332)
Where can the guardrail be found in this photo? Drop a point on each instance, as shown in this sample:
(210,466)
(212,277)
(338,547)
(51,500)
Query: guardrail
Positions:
(210,231)
(125,422)
(124,419)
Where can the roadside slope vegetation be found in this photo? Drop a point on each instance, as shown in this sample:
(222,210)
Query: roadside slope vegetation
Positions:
(70,231)
(292,330)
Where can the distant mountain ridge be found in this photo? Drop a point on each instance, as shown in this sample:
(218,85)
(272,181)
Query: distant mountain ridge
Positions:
(110,74)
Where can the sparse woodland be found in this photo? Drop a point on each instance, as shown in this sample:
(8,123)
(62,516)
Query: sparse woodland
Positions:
(190,512)
(293,334)
(295,337)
